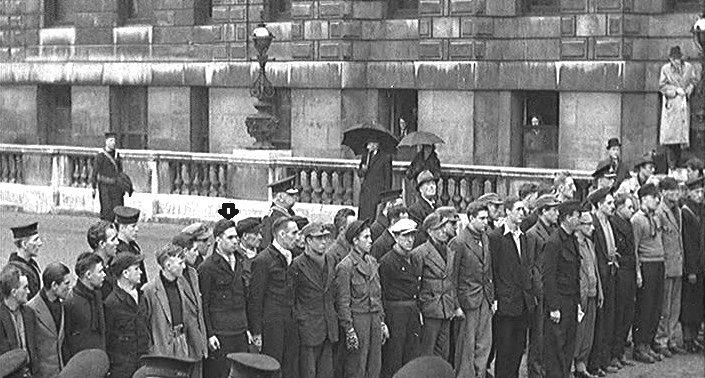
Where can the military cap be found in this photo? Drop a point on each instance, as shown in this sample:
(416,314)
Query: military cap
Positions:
(426,367)
(403,226)
(197,231)
(248,226)
(598,195)
(647,158)
(389,195)
(252,365)
(433,221)
(695,164)
(12,360)
(424,177)
(696,183)
(492,198)
(449,212)
(613,142)
(222,225)
(355,228)
(668,183)
(314,229)
(604,169)
(110,134)
(648,190)
(88,363)
(157,366)
(25,231)
(123,261)
(300,221)
(126,215)
(547,200)
(286,185)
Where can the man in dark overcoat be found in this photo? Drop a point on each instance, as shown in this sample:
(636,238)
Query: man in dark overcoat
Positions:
(388,199)
(107,166)
(284,197)
(28,243)
(375,170)
(270,304)
(17,321)
(692,305)
(312,277)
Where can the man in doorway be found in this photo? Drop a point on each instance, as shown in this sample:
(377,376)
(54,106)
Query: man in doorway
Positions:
(107,166)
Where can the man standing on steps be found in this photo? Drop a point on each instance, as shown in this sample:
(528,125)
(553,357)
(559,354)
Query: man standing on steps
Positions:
(126,222)
(107,166)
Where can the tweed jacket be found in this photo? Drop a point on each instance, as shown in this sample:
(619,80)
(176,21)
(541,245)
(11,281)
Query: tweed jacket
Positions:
(49,341)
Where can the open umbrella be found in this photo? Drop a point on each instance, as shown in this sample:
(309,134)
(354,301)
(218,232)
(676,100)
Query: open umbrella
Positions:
(418,138)
(357,138)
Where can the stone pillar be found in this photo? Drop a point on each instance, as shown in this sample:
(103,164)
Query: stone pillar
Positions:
(169,115)
(228,109)
(18,114)
(316,122)
(90,114)
(451,116)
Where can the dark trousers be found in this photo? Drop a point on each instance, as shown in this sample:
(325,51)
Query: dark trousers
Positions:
(366,360)
(317,361)
(649,300)
(217,365)
(625,302)
(559,341)
(435,338)
(534,363)
(692,307)
(510,341)
(110,196)
(404,328)
(280,339)
(601,352)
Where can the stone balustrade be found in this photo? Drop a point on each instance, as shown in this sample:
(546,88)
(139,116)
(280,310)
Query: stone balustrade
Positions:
(11,167)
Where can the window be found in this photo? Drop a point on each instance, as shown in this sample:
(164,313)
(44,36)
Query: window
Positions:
(134,11)
(276,10)
(202,11)
(404,8)
(541,6)
(199,119)
(54,114)
(128,116)
(540,129)
(282,110)
(685,5)
(55,13)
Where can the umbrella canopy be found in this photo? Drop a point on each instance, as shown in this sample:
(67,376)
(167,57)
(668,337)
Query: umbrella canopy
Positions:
(418,138)
(357,138)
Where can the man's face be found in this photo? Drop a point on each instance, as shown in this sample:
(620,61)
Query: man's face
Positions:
(363,241)
(228,240)
(675,61)
(530,200)
(646,170)
(372,146)
(133,274)
(175,266)
(438,234)
(551,215)
(22,291)
(607,205)
(405,241)
(288,200)
(478,223)
(63,288)
(191,254)
(568,189)
(287,237)
(451,228)
(252,240)
(626,210)
(96,276)
(318,244)
(572,221)
(129,231)
(300,242)
(516,214)
(33,244)
(672,196)
(111,241)
(110,143)
(651,202)
(585,225)
(692,174)
(614,152)
(697,195)
(605,182)
(428,189)
(202,245)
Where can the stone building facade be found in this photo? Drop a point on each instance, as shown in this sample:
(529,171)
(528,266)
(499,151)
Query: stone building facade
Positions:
(175,74)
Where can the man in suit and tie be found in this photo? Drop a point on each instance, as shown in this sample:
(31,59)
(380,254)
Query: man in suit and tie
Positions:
(375,170)
(17,322)
(516,298)
(28,243)
(49,311)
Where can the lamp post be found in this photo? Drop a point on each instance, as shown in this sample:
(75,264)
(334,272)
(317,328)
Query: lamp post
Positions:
(263,124)
(698,129)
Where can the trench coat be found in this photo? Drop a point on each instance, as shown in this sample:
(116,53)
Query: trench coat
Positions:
(49,341)
(672,239)
(675,110)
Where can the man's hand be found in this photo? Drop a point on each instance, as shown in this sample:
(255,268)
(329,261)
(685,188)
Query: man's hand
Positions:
(600,301)
(555,316)
(351,341)
(494,307)
(459,313)
(213,343)
(257,341)
(692,279)
(385,333)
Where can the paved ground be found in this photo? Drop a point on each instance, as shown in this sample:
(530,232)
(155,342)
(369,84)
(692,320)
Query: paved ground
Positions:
(65,237)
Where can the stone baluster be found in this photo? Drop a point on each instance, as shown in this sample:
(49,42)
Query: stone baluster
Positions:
(196,181)
(464,194)
(19,163)
(455,198)
(3,168)
(305,190)
(84,172)
(222,180)
(489,188)
(13,168)
(442,191)
(316,189)
(450,189)
(327,195)
(206,183)
(176,168)
(213,180)
(338,191)
(348,188)
(477,189)
(186,179)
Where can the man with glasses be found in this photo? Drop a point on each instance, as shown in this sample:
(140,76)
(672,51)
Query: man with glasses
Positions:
(28,242)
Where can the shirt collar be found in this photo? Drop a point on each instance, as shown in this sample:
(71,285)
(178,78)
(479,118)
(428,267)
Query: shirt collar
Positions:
(508,231)
(279,247)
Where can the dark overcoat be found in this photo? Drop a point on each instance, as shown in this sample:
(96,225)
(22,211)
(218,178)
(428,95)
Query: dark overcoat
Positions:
(692,303)
(128,334)
(512,274)
(8,337)
(375,180)
(85,320)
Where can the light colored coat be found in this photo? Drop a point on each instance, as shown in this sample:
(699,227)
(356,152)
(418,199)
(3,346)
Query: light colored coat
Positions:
(672,239)
(49,360)
(675,111)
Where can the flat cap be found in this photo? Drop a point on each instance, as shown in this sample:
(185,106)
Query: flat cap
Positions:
(424,177)
(355,228)
(222,225)
(286,185)
(12,360)
(197,231)
(426,367)
(547,200)
(604,169)
(598,195)
(492,198)
(648,190)
(647,158)
(434,221)
(569,207)
(695,164)
(88,363)
(613,142)
(126,215)
(249,225)
(448,212)
(696,183)
(157,366)
(251,365)
(24,231)
(314,229)
(389,195)
(403,226)
(668,183)
(123,261)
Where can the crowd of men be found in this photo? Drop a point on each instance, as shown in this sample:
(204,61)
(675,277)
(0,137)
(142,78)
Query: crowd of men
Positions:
(564,281)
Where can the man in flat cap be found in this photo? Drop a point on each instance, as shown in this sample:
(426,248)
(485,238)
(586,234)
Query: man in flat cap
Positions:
(200,236)
(284,196)
(358,302)
(693,291)
(17,321)
(270,305)
(127,318)
(126,222)
(107,166)
(494,208)
(223,275)
(375,171)
(388,199)
(49,310)
(643,173)
(386,241)
(400,277)
(340,247)
(475,293)
(650,273)
(102,237)
(27,243)
(312,277)
(426,185)
(561,284)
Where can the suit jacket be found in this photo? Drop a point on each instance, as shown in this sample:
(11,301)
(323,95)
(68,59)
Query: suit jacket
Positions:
(474,269)
(438,298)
(275,212)
(601,254)
(512,274)
(672,238)
(382,245)
(376,179)
(270,291)
(314,300)
(561,269)
(31,270)
(49,359)
(8,335)
(536,238)
(224,296)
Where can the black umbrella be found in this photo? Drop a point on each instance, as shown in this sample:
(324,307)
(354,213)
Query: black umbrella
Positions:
(357,138)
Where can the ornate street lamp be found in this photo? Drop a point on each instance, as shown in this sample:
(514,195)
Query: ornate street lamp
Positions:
(263,124)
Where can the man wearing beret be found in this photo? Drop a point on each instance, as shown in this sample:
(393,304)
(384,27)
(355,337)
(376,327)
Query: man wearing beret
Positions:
(426,185)
(312,277)
(358,302)
(17,321)
(28,242)
(284,197)
(127,324)
(650,273)
(107,166)
(692,305)
(126,222)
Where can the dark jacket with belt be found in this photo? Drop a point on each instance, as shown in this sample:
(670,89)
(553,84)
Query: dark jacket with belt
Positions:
(8,335)
(128,333)
(474,269)
(562,269)
(224,296)
(270,291)
(85,320)
(314,300)
(512,274)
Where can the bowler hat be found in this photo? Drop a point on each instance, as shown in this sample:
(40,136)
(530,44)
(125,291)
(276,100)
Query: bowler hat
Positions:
(426,367)
(157,366)
(424,177)
(249,225)
(123,261)
(24,231)
(613,142)
(126,215)
(675,52)
(88,363)
(252,365)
